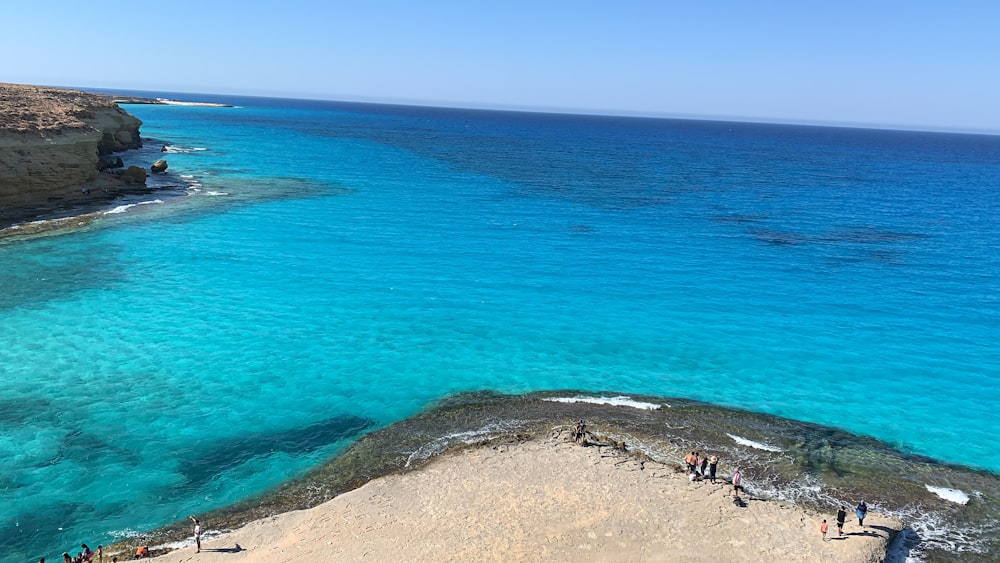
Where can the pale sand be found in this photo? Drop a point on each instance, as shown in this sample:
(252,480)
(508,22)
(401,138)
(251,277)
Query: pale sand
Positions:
(544,500)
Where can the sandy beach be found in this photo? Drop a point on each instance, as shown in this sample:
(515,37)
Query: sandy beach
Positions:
(546,499)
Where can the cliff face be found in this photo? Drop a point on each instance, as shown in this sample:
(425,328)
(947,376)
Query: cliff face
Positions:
(51,141)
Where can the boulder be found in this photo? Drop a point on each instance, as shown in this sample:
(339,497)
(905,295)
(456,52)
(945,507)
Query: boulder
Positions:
(107,161)
(159,166)
(134,175)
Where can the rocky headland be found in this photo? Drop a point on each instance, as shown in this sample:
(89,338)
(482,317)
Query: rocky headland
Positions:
(57,152)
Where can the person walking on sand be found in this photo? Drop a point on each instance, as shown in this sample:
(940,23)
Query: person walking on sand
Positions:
(737,484)
(861,511)
(713,464)
(704,465)
(823,528)
(841,516)
(197,534)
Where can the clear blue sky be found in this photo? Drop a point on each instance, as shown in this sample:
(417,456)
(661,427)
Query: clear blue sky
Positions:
(912,64)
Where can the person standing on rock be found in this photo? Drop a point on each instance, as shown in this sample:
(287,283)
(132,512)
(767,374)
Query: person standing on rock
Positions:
(713,464)
(841,517)
(691,460)
(861,511)
(737,484)
(197,534)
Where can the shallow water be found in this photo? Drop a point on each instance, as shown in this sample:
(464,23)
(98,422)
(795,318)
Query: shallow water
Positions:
(339,267)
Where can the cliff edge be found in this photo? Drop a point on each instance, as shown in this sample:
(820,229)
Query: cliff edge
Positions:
(51,144)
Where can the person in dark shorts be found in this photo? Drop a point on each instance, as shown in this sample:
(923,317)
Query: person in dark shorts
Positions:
(713,464)
(691,460)
(841,516)
(196,531)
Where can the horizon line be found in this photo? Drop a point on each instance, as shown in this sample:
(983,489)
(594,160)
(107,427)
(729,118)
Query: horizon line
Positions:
(584,112)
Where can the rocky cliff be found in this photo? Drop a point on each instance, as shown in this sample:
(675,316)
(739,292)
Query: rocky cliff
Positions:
(51,144)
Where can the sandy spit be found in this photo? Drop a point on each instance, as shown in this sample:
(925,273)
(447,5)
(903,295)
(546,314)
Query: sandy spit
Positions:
(546,499)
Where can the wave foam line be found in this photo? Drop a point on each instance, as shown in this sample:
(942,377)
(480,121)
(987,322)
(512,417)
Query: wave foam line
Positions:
(752,444)
(951,495)
(620,401)
(467,437)
(127,206)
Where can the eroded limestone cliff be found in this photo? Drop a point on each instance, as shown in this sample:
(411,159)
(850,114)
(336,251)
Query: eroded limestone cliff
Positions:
(51,141)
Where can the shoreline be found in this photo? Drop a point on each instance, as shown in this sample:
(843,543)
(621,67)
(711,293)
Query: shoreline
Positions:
(544,498)
(166,102)
(81,213)
(653,430)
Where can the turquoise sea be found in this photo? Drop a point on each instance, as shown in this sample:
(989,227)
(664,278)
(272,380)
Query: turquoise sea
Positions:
(334,268)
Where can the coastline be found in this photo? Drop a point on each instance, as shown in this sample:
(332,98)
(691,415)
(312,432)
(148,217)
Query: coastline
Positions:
(59,148)
(653,434)
(166,102)
(943,483)
(545,498)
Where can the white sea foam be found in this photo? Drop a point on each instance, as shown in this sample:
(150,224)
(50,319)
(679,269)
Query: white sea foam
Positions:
(125,533)
(216,193)
(181,544)
(757,445)
(125,207)
(120,209)
(467,437)
(620,401)
(175,149)
(951,495)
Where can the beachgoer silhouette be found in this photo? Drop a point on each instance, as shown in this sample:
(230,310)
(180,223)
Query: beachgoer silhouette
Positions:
(713,464)
(861,511)
(823,528)
(737,484)
(841,516)
(580,432)
(197,534)
(691,460)
(704,465)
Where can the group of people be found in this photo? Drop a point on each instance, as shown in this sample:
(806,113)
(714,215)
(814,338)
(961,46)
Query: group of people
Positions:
(701,466)
(861,511)
(86,556)
(89,556)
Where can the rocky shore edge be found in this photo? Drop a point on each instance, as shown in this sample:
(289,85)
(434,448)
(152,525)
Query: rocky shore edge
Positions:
(61,158)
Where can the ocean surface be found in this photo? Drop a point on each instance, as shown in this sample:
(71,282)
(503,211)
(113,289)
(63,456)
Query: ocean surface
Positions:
(334,268)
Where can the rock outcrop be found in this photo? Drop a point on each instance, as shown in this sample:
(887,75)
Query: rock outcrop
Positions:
(159,167)
(52,142)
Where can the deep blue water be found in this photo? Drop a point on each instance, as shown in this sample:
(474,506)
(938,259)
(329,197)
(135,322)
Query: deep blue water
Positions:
(338,267)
